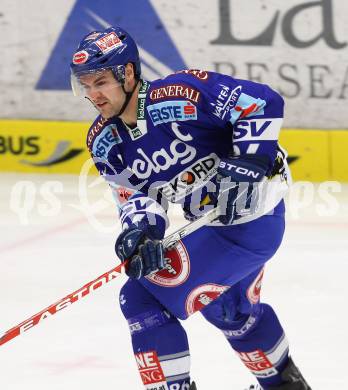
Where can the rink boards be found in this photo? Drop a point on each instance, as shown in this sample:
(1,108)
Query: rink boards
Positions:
(59,147)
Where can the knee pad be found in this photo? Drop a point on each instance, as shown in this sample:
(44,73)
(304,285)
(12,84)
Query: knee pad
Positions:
(148,320)
(135,299)
(244,325)
(226,309)
(225,314)
(141,309)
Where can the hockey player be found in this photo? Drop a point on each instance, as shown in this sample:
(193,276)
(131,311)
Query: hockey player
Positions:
(202,140)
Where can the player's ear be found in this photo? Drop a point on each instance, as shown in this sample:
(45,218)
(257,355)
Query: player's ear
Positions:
(129,70)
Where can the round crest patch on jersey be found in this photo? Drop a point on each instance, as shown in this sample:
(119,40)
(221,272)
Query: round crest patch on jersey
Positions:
(177,268)
(202,295)
(254,290)
(80,57)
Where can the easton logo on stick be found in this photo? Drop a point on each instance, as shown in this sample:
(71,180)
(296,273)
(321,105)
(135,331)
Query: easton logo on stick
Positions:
(62,304)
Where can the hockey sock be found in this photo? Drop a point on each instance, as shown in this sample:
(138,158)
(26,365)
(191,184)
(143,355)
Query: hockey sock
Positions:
(159,341)
(263,348)
(161,351)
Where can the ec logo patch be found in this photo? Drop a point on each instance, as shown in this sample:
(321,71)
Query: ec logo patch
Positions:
(202,295)
(177,268)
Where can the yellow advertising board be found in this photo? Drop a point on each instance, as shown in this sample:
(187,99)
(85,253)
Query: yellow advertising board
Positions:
(42,146)
(317,155)
(309,154)
(59,147)
(339,151)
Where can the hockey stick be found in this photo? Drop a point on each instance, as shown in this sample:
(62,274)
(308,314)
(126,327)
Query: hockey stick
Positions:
(101,280)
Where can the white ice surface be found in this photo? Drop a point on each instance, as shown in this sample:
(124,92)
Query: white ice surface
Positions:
(87,345)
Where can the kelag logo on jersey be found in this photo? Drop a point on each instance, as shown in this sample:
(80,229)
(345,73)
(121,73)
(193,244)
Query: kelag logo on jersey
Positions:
(172,111)
(158,53)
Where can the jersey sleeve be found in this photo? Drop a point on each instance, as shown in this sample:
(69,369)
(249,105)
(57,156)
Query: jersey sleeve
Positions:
(252,112)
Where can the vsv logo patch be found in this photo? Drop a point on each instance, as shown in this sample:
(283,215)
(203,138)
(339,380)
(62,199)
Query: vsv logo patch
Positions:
(159,56)
(257,129)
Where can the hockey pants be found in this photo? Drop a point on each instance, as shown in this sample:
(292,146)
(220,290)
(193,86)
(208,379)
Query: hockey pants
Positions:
(218,271)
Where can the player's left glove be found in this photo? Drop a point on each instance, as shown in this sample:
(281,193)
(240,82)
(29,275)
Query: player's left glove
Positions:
(145,255)
(235,179)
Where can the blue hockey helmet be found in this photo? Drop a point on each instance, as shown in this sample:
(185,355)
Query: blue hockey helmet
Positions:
(110,49)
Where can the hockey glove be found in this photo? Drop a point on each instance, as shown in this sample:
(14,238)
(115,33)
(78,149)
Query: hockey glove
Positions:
(235,181)
(146,255)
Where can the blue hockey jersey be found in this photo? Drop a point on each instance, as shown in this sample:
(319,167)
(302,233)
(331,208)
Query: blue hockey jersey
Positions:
(186,123)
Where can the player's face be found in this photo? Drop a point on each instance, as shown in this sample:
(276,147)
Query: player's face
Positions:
(104,92)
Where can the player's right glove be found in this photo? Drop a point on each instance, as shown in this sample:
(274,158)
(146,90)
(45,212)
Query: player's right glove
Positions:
(145,255)
(235,178)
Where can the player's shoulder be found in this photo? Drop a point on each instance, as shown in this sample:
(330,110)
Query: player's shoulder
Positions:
(97,128)
(202,80)
(176,86)
(190,84)
(194,77)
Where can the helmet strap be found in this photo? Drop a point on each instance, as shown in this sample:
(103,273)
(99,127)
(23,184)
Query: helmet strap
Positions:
(128,97)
